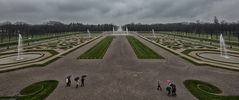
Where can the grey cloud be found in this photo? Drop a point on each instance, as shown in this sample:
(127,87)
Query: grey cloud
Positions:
(17,7)
(117,11)
(182,8)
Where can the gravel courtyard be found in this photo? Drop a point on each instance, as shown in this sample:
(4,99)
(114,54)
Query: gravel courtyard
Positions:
(120,75)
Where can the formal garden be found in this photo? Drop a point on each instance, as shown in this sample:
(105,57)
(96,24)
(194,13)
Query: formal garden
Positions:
(135,62)
(42,52)
(198,50)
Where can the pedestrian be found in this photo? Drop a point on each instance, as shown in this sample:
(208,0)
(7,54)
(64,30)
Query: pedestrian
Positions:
(83,80)
(68,81)
(173,87)
(168,89)
(159,87)
(77,79)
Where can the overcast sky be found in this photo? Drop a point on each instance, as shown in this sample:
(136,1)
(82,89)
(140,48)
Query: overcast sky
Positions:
(117,11)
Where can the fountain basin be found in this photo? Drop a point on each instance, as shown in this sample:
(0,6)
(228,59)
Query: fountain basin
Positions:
(10,59)
(216,56)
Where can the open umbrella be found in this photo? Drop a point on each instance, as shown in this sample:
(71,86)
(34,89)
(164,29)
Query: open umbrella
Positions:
(168,81)
(83,76)
(77,78)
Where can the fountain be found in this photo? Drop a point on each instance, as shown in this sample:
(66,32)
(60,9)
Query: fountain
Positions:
(19,48)
(220,57)
(13,58)
(127,31)
(223,49)
(113,30)
(153,33)
(120,31)
(89,33)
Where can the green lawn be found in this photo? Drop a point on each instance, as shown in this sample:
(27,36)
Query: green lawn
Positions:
(205,91)
(36,91)
(141,50)
(98,51)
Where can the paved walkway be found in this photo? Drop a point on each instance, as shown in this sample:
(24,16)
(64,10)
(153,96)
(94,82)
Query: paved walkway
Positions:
(120,75)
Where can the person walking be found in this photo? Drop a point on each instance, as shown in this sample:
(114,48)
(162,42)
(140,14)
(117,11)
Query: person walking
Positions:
(77,79)
(159,87)
(68,81)
(168,87)
(173,87)
(83,80)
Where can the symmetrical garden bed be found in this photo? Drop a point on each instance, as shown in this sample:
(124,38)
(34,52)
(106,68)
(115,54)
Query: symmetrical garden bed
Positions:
(205,91)
(98,51)
(36,91)
(141,50)
(45,52)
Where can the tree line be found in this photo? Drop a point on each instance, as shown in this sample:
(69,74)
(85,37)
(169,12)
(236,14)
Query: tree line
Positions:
(230,29)
(10,31)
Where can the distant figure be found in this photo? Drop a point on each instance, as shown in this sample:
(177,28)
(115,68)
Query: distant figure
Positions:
(68,81)
(159,87)
(83,80)
(173,87)
(77,79)
(168,89)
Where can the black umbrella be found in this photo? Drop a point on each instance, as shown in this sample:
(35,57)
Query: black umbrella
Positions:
(83,76)
(77,78)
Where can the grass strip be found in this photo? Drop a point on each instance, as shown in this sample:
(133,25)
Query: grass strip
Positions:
(141,50)
(98,51)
